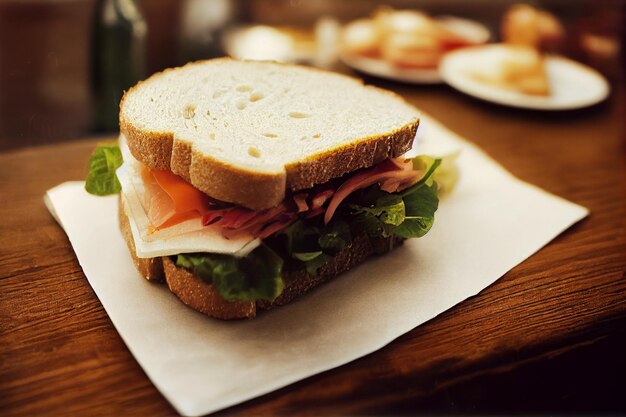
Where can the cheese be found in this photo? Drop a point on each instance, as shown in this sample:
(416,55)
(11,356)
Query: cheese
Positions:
(186,237)
(134,190)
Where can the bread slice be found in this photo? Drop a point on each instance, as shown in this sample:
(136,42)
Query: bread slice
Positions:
(201,296)
(247,131)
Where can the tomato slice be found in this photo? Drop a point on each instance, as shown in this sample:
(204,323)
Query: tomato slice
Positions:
(185,196)
(170,199)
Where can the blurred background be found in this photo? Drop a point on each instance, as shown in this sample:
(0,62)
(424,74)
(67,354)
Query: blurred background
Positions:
(65,63)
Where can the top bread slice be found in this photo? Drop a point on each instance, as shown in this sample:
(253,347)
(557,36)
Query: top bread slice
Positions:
(245,132)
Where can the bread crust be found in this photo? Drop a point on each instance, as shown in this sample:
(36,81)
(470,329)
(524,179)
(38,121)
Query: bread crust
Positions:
(201,296)
(253,189)
(321,168)
(154,149)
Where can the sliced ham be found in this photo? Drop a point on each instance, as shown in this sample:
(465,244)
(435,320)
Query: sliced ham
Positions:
(314,213)
(321,198)
(158,204)
(234,216)
(399,183)
(387,170)
(300,200)
(403,163)
(277,226)
(266,216)
(213,216)
(245,216)
(171,200)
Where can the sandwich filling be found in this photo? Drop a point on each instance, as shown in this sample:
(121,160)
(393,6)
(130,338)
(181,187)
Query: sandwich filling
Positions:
(243,252)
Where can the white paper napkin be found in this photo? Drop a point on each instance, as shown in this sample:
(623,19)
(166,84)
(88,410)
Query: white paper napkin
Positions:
(490,223)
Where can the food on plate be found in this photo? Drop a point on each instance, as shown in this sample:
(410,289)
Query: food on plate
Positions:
(526,25)
(362,37)
(245,184)
(405,38)
(518,64)
(513,67)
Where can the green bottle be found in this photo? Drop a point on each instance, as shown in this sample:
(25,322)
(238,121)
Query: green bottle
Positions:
(118,57)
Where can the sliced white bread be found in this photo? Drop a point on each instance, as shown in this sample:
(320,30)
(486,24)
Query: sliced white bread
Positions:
(248,131)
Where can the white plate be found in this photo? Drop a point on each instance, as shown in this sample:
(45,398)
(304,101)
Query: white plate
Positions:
(384,69)
(472,31)
(573,85)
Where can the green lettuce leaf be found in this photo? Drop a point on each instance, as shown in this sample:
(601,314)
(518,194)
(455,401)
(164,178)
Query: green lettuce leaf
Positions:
(388,208)
(306,256)
(335,237)
(253,277)
(372,225)
(101,179)
(427,164)
(382,217)
(313,245)
(301,238)
(420,206)
(447,175)
(410,213)
(314,264)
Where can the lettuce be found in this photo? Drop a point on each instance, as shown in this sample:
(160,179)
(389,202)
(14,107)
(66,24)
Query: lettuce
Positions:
(101,179)
(447,174)
(420,207)
(407,214)
(427,164)
(389,208)
(256,276)
(306,256)
(314,245)
(316,263)
(335,237)
(381,217)
(301,238)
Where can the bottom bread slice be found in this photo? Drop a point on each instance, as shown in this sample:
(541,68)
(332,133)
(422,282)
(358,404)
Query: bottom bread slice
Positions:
(202,296)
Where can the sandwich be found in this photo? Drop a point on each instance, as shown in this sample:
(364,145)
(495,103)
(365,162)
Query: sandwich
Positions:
(245,184)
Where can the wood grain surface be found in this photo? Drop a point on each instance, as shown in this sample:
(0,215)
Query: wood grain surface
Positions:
(548,337)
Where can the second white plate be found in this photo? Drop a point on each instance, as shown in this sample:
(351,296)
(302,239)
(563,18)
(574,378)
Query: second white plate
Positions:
(573,85)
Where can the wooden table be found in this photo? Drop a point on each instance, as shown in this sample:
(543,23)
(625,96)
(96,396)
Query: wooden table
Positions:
(549,336)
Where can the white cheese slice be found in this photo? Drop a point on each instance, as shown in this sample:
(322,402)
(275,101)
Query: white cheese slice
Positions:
(177,239)
(135,190)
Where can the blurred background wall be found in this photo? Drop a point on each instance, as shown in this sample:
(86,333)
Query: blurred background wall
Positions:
(46,57)
(45,65)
